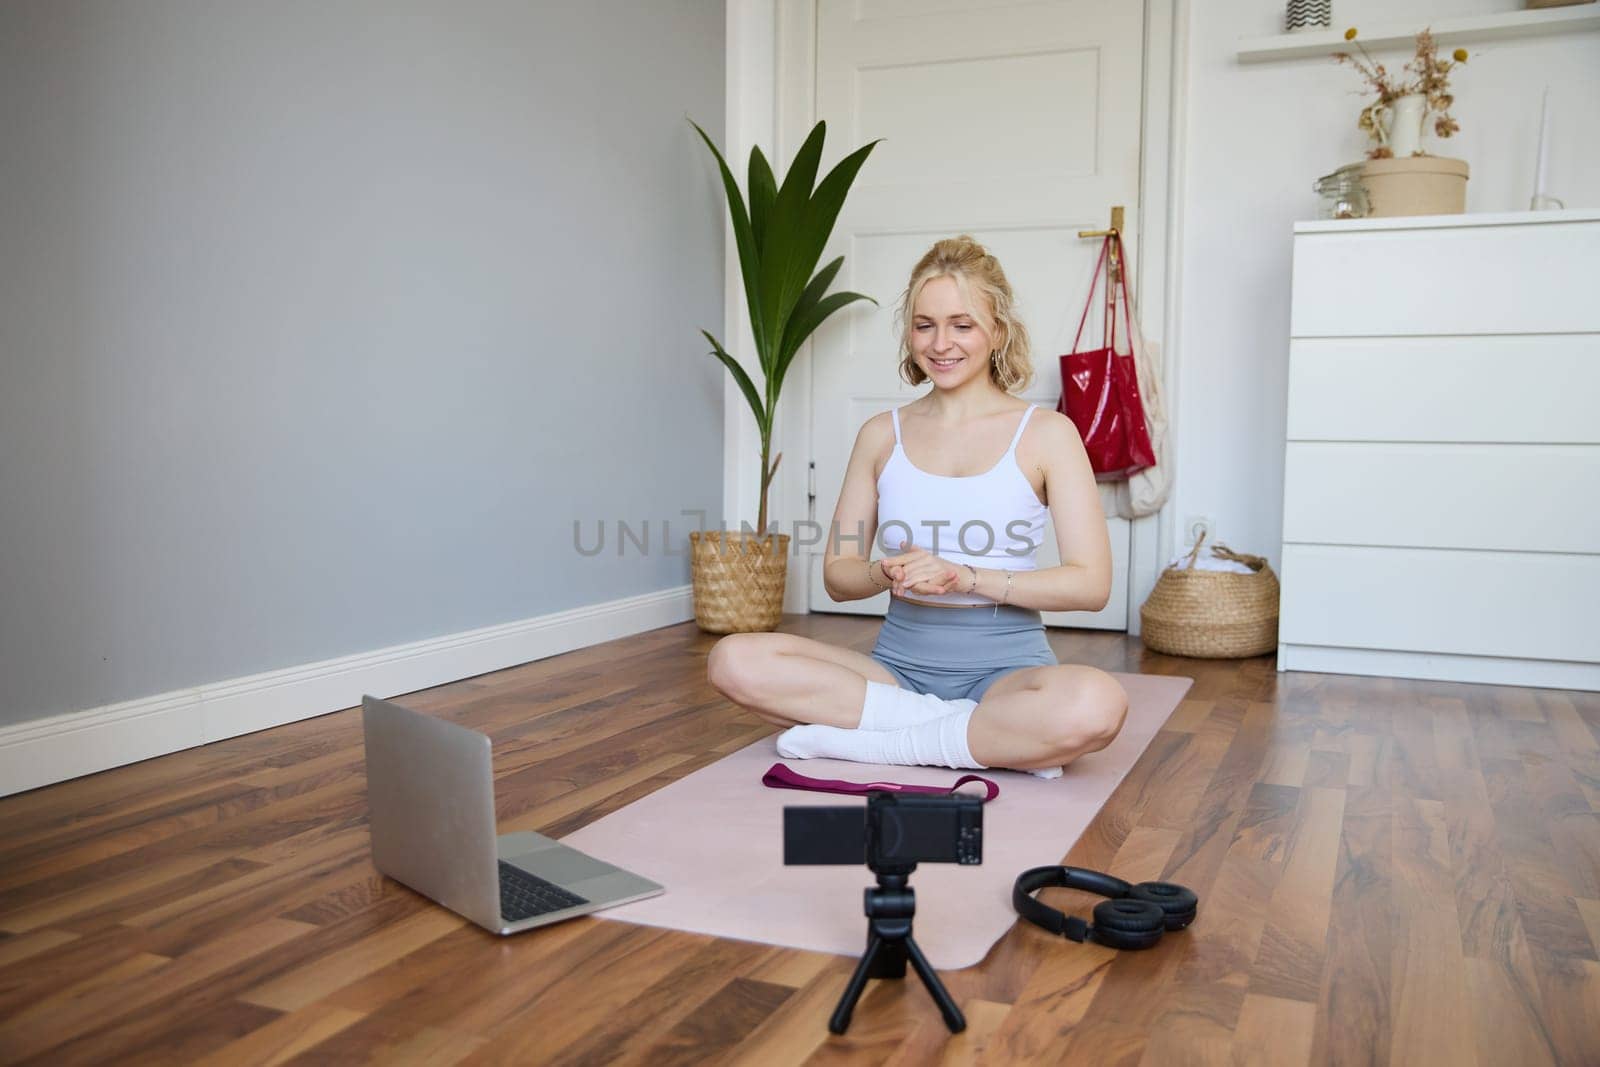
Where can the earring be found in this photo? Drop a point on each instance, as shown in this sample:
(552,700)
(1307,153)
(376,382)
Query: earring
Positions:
(1000,371)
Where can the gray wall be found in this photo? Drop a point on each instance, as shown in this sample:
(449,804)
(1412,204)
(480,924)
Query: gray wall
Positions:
(320,323)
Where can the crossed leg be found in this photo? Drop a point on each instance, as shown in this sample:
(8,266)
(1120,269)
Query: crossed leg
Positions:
(1029,719)
(1040,717)
(786,679)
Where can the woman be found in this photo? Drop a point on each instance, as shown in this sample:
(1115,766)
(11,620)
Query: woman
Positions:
(962,675)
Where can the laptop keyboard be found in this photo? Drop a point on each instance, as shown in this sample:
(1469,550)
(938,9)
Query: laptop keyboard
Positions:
(522,895)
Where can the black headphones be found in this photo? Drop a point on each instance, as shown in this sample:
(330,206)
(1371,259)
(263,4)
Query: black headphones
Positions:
(1134,917)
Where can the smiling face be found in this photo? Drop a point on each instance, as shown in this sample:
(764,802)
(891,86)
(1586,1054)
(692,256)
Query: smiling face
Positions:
(959,322)
(948,342)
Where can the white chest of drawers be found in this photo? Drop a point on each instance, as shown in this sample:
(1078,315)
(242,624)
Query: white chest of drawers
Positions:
(1441,512)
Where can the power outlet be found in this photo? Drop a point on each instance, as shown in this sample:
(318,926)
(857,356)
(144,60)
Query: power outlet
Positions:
(1196,525)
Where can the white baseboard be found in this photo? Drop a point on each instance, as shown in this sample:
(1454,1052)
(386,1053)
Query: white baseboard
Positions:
(54,749)
(1440,667)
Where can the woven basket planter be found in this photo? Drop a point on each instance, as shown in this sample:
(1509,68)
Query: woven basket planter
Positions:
(738,580)
(1213,614)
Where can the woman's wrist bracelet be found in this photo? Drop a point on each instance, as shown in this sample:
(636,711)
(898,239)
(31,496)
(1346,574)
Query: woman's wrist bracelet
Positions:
(1007,594)
(974,586)
(871,577)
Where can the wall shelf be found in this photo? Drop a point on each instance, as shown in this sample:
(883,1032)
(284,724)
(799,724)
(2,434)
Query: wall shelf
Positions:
(1501,26)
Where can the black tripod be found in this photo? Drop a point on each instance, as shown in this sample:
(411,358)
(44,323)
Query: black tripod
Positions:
(889,944)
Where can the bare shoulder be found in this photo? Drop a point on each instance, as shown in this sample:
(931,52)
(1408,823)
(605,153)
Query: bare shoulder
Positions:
(1053,431)
(876,429)
(875,439)
(1049,448)
(1050,420)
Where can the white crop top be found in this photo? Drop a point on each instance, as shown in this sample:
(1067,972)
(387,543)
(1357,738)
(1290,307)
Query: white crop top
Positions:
(992,519)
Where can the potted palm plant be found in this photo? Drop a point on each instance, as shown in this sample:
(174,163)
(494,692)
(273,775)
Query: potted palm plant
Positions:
(739,577)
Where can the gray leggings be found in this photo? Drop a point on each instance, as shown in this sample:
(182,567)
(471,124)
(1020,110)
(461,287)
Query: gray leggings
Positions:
(957,653)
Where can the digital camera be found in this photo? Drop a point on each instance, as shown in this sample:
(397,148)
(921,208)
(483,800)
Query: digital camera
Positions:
(891,832)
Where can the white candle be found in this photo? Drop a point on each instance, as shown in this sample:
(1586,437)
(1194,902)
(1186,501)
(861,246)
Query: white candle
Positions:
(1544,149)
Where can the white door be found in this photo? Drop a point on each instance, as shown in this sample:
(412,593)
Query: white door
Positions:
(1017,123)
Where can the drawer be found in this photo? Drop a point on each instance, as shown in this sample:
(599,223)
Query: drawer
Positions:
(1524,498)
(1530,606)
(1495,388)
(1529,277)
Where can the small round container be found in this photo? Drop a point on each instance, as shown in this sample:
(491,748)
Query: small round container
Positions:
(1416,185)
(1343,194)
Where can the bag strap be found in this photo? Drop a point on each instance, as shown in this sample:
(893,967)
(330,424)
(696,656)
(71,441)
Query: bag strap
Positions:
(1111,303)
(782,776)
(1094,282)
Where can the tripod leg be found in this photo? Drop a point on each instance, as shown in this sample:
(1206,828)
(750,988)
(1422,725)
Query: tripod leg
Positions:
(890,961)
(941,996)
(840,1022)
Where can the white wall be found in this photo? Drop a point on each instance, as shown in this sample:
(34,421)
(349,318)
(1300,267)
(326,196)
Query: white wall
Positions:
(1258,136)
(322,324)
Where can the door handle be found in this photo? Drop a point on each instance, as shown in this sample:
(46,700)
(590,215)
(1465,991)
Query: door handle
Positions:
(1116,225)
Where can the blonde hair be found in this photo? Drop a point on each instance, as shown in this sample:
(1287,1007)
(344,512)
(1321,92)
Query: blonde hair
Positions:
(972,268)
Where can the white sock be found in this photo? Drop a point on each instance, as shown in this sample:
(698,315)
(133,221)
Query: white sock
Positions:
(898,727)
(889,707)
(940,743)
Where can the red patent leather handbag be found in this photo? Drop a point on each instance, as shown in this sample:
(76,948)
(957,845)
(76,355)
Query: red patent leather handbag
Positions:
(1100,387)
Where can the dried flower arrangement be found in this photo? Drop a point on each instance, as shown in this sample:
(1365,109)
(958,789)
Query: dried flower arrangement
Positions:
(1425,74)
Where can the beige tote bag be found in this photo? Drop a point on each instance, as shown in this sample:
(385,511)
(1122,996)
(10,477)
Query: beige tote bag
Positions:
(1144,492)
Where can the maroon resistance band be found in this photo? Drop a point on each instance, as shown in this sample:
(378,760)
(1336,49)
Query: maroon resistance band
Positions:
(781,776)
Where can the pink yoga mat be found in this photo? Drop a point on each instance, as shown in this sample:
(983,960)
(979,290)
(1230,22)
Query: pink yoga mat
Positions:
(715,840)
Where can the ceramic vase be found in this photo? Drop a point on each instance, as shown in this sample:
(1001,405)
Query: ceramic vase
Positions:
(1405,125)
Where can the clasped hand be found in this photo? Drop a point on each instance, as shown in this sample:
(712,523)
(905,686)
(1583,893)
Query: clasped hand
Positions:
(916,570)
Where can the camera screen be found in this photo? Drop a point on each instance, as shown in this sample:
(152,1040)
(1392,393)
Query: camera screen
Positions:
(824,835)
(932,830)
(923,835)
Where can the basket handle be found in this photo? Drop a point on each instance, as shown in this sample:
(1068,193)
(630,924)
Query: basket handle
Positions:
(1196,550)
(1222,551)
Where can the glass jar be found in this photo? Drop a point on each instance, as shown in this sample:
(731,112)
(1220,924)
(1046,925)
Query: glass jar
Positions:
(1343,195)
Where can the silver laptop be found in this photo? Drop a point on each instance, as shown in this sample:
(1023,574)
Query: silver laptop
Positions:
(430,795)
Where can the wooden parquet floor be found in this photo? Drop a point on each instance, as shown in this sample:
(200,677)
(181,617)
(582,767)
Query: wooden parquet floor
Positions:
(1390,872)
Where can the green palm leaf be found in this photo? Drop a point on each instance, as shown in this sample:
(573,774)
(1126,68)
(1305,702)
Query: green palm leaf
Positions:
(824,211)
(803,326)
(814,291)
(746,386)
(743,235)
(784,236)
(763,191)
(808,299)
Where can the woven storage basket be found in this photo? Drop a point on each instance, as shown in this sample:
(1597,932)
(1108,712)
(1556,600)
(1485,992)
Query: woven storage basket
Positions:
(1213,614)
(738,580)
